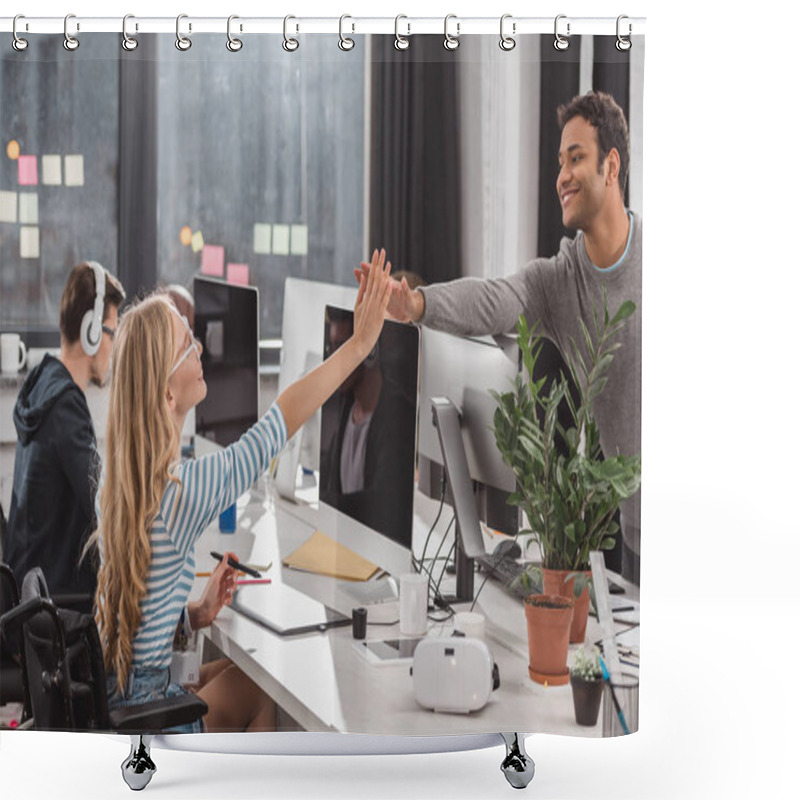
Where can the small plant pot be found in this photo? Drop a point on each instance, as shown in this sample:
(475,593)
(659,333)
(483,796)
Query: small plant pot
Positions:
(556,582)
(586,697)
(549,619)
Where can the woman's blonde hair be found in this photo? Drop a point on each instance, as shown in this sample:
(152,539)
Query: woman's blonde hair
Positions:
(142,442)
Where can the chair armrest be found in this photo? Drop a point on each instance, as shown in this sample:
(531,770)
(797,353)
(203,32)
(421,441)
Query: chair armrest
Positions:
(19,615)
(155,717)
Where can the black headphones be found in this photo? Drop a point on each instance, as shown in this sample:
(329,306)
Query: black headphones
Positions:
(92,323)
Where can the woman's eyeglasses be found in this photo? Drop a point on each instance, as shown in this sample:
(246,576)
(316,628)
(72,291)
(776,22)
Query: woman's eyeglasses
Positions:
(193,345)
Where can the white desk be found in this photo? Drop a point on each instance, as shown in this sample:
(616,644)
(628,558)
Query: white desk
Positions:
(325,685)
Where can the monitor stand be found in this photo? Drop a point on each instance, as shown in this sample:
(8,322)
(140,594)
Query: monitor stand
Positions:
(369,593)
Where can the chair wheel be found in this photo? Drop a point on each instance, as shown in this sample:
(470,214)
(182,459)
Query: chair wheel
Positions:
(138,768)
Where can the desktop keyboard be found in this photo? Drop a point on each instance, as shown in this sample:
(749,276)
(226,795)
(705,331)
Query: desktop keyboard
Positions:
(502,568)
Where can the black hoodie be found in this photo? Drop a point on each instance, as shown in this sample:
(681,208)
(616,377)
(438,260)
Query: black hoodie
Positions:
(55,479)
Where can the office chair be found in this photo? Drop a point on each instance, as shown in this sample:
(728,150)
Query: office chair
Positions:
(67,682)
(13,677)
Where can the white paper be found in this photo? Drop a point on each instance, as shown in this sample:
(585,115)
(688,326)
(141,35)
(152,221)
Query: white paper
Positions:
(8,206)
(262,235)
(280,240)
(51,170)
(73,170)
(29,208)
(29,242)
(299,240)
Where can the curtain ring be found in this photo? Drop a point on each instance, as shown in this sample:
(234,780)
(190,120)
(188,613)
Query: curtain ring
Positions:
(345,42)
(129,43)
(183,43)
(19,44)
(507,42)
(401,42)
(233,44)
(623,42)
(560,42)
(70,42)
(289,44)
(451,42)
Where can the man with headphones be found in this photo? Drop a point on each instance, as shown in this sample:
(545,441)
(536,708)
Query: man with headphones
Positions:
(56,462)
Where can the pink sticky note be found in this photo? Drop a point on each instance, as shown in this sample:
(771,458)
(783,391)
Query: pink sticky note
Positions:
(213,260)
(28,171)
(239,273)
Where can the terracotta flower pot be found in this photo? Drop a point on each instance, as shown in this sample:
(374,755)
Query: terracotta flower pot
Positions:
(586,697)
(549,618)
(555,582)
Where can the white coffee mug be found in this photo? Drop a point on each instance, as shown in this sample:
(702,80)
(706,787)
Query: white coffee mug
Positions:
(12,353)
(414,604)
(471,624)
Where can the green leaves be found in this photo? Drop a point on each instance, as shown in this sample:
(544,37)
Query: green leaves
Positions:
(569,501)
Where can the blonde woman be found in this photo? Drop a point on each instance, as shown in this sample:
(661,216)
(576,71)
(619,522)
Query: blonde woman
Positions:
(152,508)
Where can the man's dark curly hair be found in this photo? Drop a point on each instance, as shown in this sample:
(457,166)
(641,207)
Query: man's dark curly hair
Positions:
(601,111)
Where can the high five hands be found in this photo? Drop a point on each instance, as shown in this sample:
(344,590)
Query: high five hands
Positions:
(405,304)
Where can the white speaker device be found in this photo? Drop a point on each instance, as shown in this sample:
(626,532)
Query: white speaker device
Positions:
(92,323)
(455,674)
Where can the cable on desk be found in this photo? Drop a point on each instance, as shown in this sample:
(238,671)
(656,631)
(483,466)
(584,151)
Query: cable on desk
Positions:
(443,486)
(480,589)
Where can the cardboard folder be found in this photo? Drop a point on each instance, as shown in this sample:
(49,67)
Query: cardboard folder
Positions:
(324,556)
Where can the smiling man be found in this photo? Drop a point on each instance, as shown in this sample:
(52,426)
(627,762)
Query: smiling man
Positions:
(606,251)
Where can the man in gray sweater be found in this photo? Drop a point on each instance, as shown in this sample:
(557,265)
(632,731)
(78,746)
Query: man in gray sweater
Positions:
(607,250)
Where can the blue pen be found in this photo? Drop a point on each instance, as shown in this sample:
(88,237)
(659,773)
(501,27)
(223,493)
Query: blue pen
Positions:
(607,679)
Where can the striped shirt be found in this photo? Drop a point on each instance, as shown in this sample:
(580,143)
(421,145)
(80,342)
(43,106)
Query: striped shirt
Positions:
(208,486)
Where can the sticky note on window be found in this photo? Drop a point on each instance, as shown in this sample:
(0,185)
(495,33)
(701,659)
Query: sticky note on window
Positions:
(28,171)
(29,242)
(262,238)
(299,240)
(280,240)
(51,170)
(239,273)
(213,260)
(8,206)
(73,170)
(29,208)
(197,241)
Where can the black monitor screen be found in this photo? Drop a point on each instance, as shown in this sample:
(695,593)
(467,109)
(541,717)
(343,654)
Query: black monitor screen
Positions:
(368,431)
(226,323)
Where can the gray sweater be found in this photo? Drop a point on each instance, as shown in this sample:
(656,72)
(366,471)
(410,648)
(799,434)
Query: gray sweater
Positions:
(557,291)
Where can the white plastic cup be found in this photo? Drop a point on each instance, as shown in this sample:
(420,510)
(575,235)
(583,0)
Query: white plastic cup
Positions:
(471,624)
(12,353)
(413,604)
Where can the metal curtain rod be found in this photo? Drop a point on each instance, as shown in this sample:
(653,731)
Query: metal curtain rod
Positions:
(407,26)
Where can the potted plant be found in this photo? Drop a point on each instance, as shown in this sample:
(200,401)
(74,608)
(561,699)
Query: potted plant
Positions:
(569,497)
(586,679)
(549,618)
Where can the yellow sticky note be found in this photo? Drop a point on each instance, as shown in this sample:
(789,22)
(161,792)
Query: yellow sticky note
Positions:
(12,150)
(197,242)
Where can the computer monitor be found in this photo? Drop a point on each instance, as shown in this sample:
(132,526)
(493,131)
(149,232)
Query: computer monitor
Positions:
(226,323)
(302,334)
(464,370)
(456,416)
(367,450)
